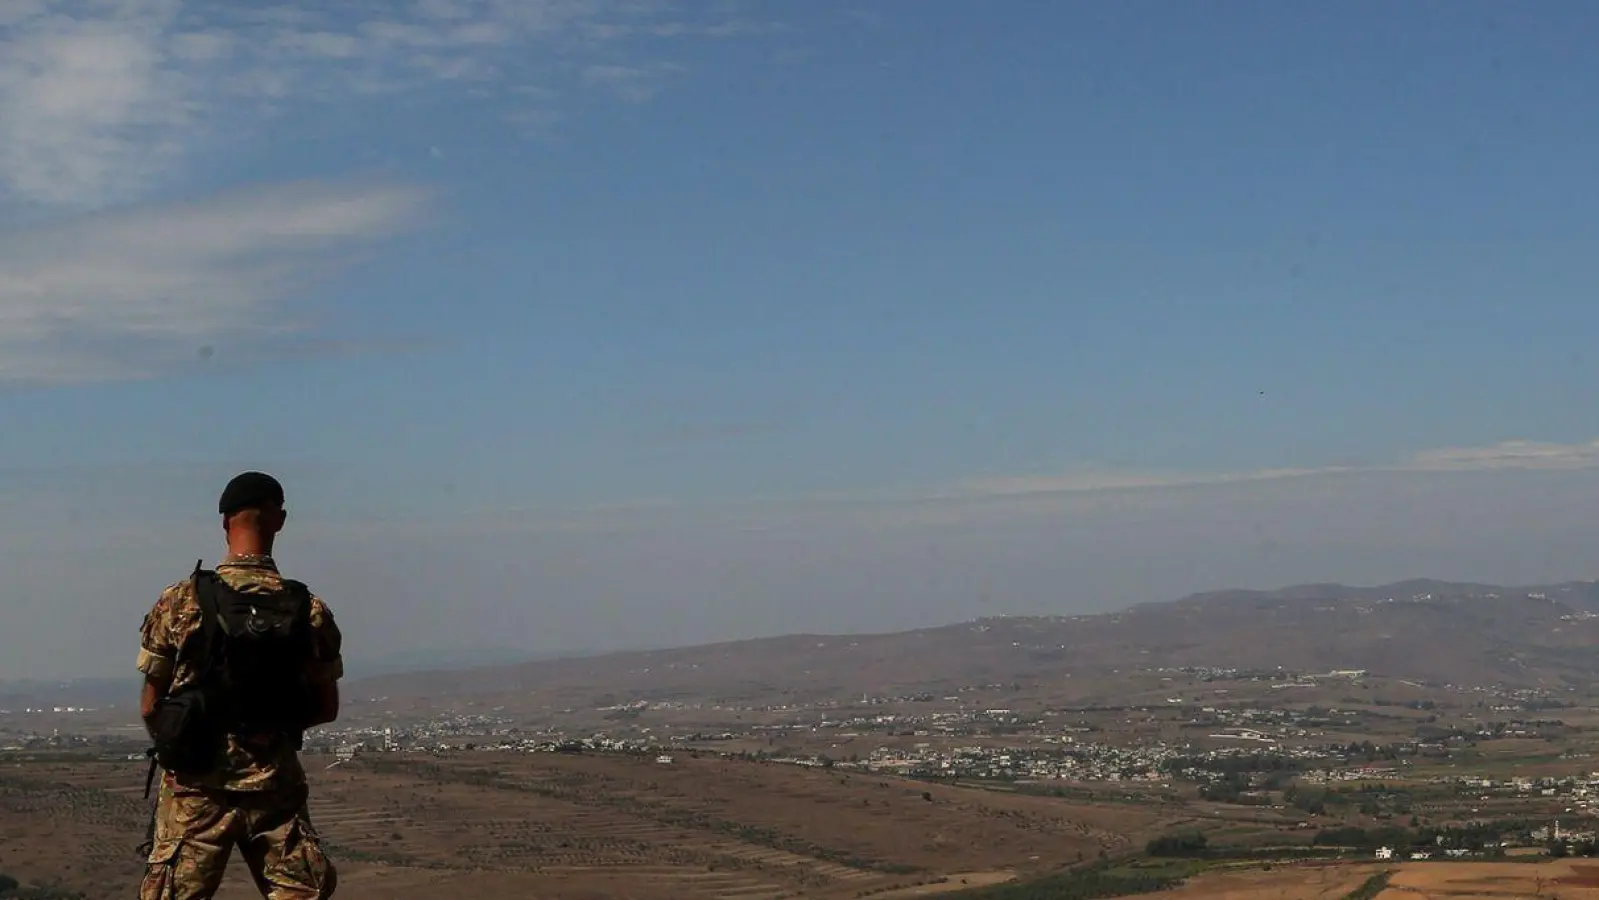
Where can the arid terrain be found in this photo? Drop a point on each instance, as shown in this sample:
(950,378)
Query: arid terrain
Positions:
(1408,881)
(1442,740)
(594,826)
(1430,631)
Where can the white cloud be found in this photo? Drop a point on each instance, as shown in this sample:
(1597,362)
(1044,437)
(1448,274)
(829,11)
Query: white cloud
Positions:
(87,108)
(121,294)
(109,102)
(633,84)
(1507,455)
(1086,496)
(102,102)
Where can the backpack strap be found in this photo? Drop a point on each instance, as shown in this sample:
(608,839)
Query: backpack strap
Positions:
(302,611)
(205,596)
(303,639)
(204,584)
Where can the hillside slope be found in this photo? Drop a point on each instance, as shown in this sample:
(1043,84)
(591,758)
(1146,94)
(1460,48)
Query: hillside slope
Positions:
(1425,630)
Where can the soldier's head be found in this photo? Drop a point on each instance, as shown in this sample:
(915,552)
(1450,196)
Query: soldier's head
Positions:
(252,506)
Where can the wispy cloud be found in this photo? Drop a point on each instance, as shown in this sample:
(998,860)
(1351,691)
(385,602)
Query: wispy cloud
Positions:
(103,101)
(88,106)
(108,103)
(632,84)
(116,295)
(1085,495)
(1507,455)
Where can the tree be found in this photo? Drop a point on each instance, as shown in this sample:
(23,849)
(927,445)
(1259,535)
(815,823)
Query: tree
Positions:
(1191,843)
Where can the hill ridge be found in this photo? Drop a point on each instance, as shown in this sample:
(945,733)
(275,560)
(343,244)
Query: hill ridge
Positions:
(1536,636)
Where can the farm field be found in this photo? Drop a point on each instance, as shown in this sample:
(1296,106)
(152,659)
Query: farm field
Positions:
(1294,882)
(1565,880)
(1577,880)
(590,826)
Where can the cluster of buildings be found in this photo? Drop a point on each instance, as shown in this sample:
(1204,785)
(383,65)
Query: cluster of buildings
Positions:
(1448,853)
(1053,757)
(1082,762)
(1579,792)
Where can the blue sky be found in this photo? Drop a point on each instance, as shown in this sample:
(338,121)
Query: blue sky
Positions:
(479,271)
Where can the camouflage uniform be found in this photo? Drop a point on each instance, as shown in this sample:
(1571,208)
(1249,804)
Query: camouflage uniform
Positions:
(256,794)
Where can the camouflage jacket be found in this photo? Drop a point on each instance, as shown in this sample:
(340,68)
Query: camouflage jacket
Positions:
(253,764)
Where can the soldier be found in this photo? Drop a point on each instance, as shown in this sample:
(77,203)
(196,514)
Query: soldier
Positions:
(245,785)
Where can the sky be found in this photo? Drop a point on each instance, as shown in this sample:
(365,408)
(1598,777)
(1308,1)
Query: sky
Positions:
(590,324)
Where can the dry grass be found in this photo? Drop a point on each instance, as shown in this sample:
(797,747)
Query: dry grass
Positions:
(1495,881)
(595,826)
(1284,882)
(1556,880)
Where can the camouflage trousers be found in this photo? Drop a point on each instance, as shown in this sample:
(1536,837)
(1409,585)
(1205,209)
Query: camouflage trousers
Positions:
(196,831)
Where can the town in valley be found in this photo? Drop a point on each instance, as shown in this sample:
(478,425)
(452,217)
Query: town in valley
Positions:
(1130,779)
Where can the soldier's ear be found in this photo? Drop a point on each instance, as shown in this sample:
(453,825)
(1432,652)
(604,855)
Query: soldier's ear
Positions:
(283,516)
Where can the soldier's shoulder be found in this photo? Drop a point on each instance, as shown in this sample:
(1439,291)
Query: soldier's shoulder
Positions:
(320,610)
(175,610)
(327,636)
(175,597)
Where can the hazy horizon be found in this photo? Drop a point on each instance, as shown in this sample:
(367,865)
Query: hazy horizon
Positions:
(616,324)
(675,575)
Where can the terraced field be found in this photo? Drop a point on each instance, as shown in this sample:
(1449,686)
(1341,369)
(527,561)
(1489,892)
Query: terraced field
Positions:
(1550,880)
(84,819)
(593,826)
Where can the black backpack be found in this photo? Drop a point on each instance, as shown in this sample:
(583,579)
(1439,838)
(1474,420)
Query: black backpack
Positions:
(251,650)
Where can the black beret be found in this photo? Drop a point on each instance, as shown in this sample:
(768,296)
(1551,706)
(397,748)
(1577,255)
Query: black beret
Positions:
(251,490)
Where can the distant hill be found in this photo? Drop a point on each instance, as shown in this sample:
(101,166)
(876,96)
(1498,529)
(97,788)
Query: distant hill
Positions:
(1441,632)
